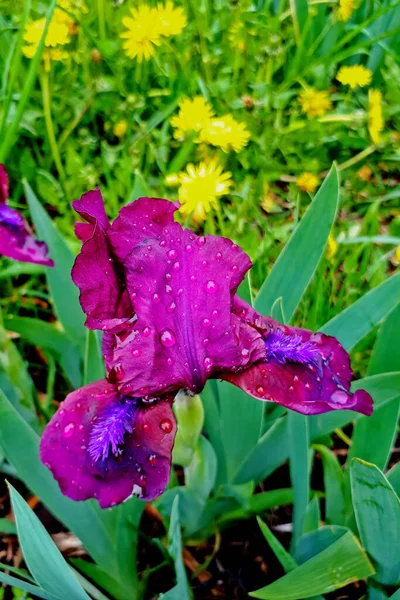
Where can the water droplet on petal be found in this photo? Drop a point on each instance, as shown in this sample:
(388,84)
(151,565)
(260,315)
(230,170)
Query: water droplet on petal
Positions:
(208,362)
(166,425)
(180,292)
(168,276)
(176,266)
(193,278)
(189,248)
(211,287)
(245,352)
(156,298)
(215,313)
(203,263)
(172,254)
(171,307)
(260,390)
(136,352)
(218,256)
(295,379)
(206,322)
(234,268)
(291,388)
(201,241)
(69,430)
(308,386)
(206,340)
(167,338)
(169,361)
(152,459)
(146,331)
(339,397)
(146,427)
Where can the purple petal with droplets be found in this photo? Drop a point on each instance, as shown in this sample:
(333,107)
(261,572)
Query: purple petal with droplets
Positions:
(145,218)
(306,372)
(182,287)
(97,275)
(138,460)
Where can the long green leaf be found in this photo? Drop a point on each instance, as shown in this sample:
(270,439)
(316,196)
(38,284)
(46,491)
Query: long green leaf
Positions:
(287,561)
(340,564)
(299,441)
(377,510)
(42,556)
(182,590)
(296,265)
(334,486)
(63,291)
(27,587)
(351,325)
(45,335)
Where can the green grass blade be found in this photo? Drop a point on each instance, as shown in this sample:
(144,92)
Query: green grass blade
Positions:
(334,486)
(296,265)
(45,335)
(287,561)
(63,291)
(373,436)
(299,471)
(351,325)
(377,511)
(9,138)
(340,564)
(42,556)
(182,590)
(94,361)
(27,587)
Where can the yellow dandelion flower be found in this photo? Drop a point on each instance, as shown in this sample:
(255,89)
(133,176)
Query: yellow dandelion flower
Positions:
(120,129)
(268,201)
(192,116)
(307,182)
(172,180)
(354,76)
(57,35)
(314,103)
(237,35)
(226,133)
(397,253)
(346,9)
(171,20)
(200,186)
(375,115)
(142,35)
(331,247)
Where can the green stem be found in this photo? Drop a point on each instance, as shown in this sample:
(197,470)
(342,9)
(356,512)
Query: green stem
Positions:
(357,158)
(102,21)
(44,80)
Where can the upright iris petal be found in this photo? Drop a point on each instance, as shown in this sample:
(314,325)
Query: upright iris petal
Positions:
(16,240)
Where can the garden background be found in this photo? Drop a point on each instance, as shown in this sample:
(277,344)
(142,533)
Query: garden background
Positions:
(276,124)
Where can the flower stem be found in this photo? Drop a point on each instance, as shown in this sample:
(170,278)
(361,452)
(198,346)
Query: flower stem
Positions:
(102,22)
(44,79)
(357,158)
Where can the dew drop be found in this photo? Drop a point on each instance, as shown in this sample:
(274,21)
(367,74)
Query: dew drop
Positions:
(215,313)
(176,266)
(295,379)
(152,459)
(169,361)
(201,241)
(156,298)
(146,331)
(206,340)
(166,425)
(211,287)
(291,388)
(206,322)
(193,278)
(69,430)
(245,352)
(218,256)
(260,390)
(234,268)
(308,386)
(180,292)
(167,338)
(189,248)
(208,362)
(172,254)
(136,352)
(146,427)
(203,263)
(168,276)
(171,307)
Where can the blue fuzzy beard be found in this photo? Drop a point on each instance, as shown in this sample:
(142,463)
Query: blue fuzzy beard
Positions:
(108,431)
(290,348)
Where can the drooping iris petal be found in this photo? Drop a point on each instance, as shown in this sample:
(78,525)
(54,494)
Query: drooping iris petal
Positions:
(145,218)
(3,185)
(102,445)
(182,287)
(306,372)
(102,291)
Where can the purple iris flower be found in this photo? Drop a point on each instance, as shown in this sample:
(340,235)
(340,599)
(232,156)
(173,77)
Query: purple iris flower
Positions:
(166,301)
(16,240)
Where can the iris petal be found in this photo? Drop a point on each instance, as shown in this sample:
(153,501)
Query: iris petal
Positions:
(140,466)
